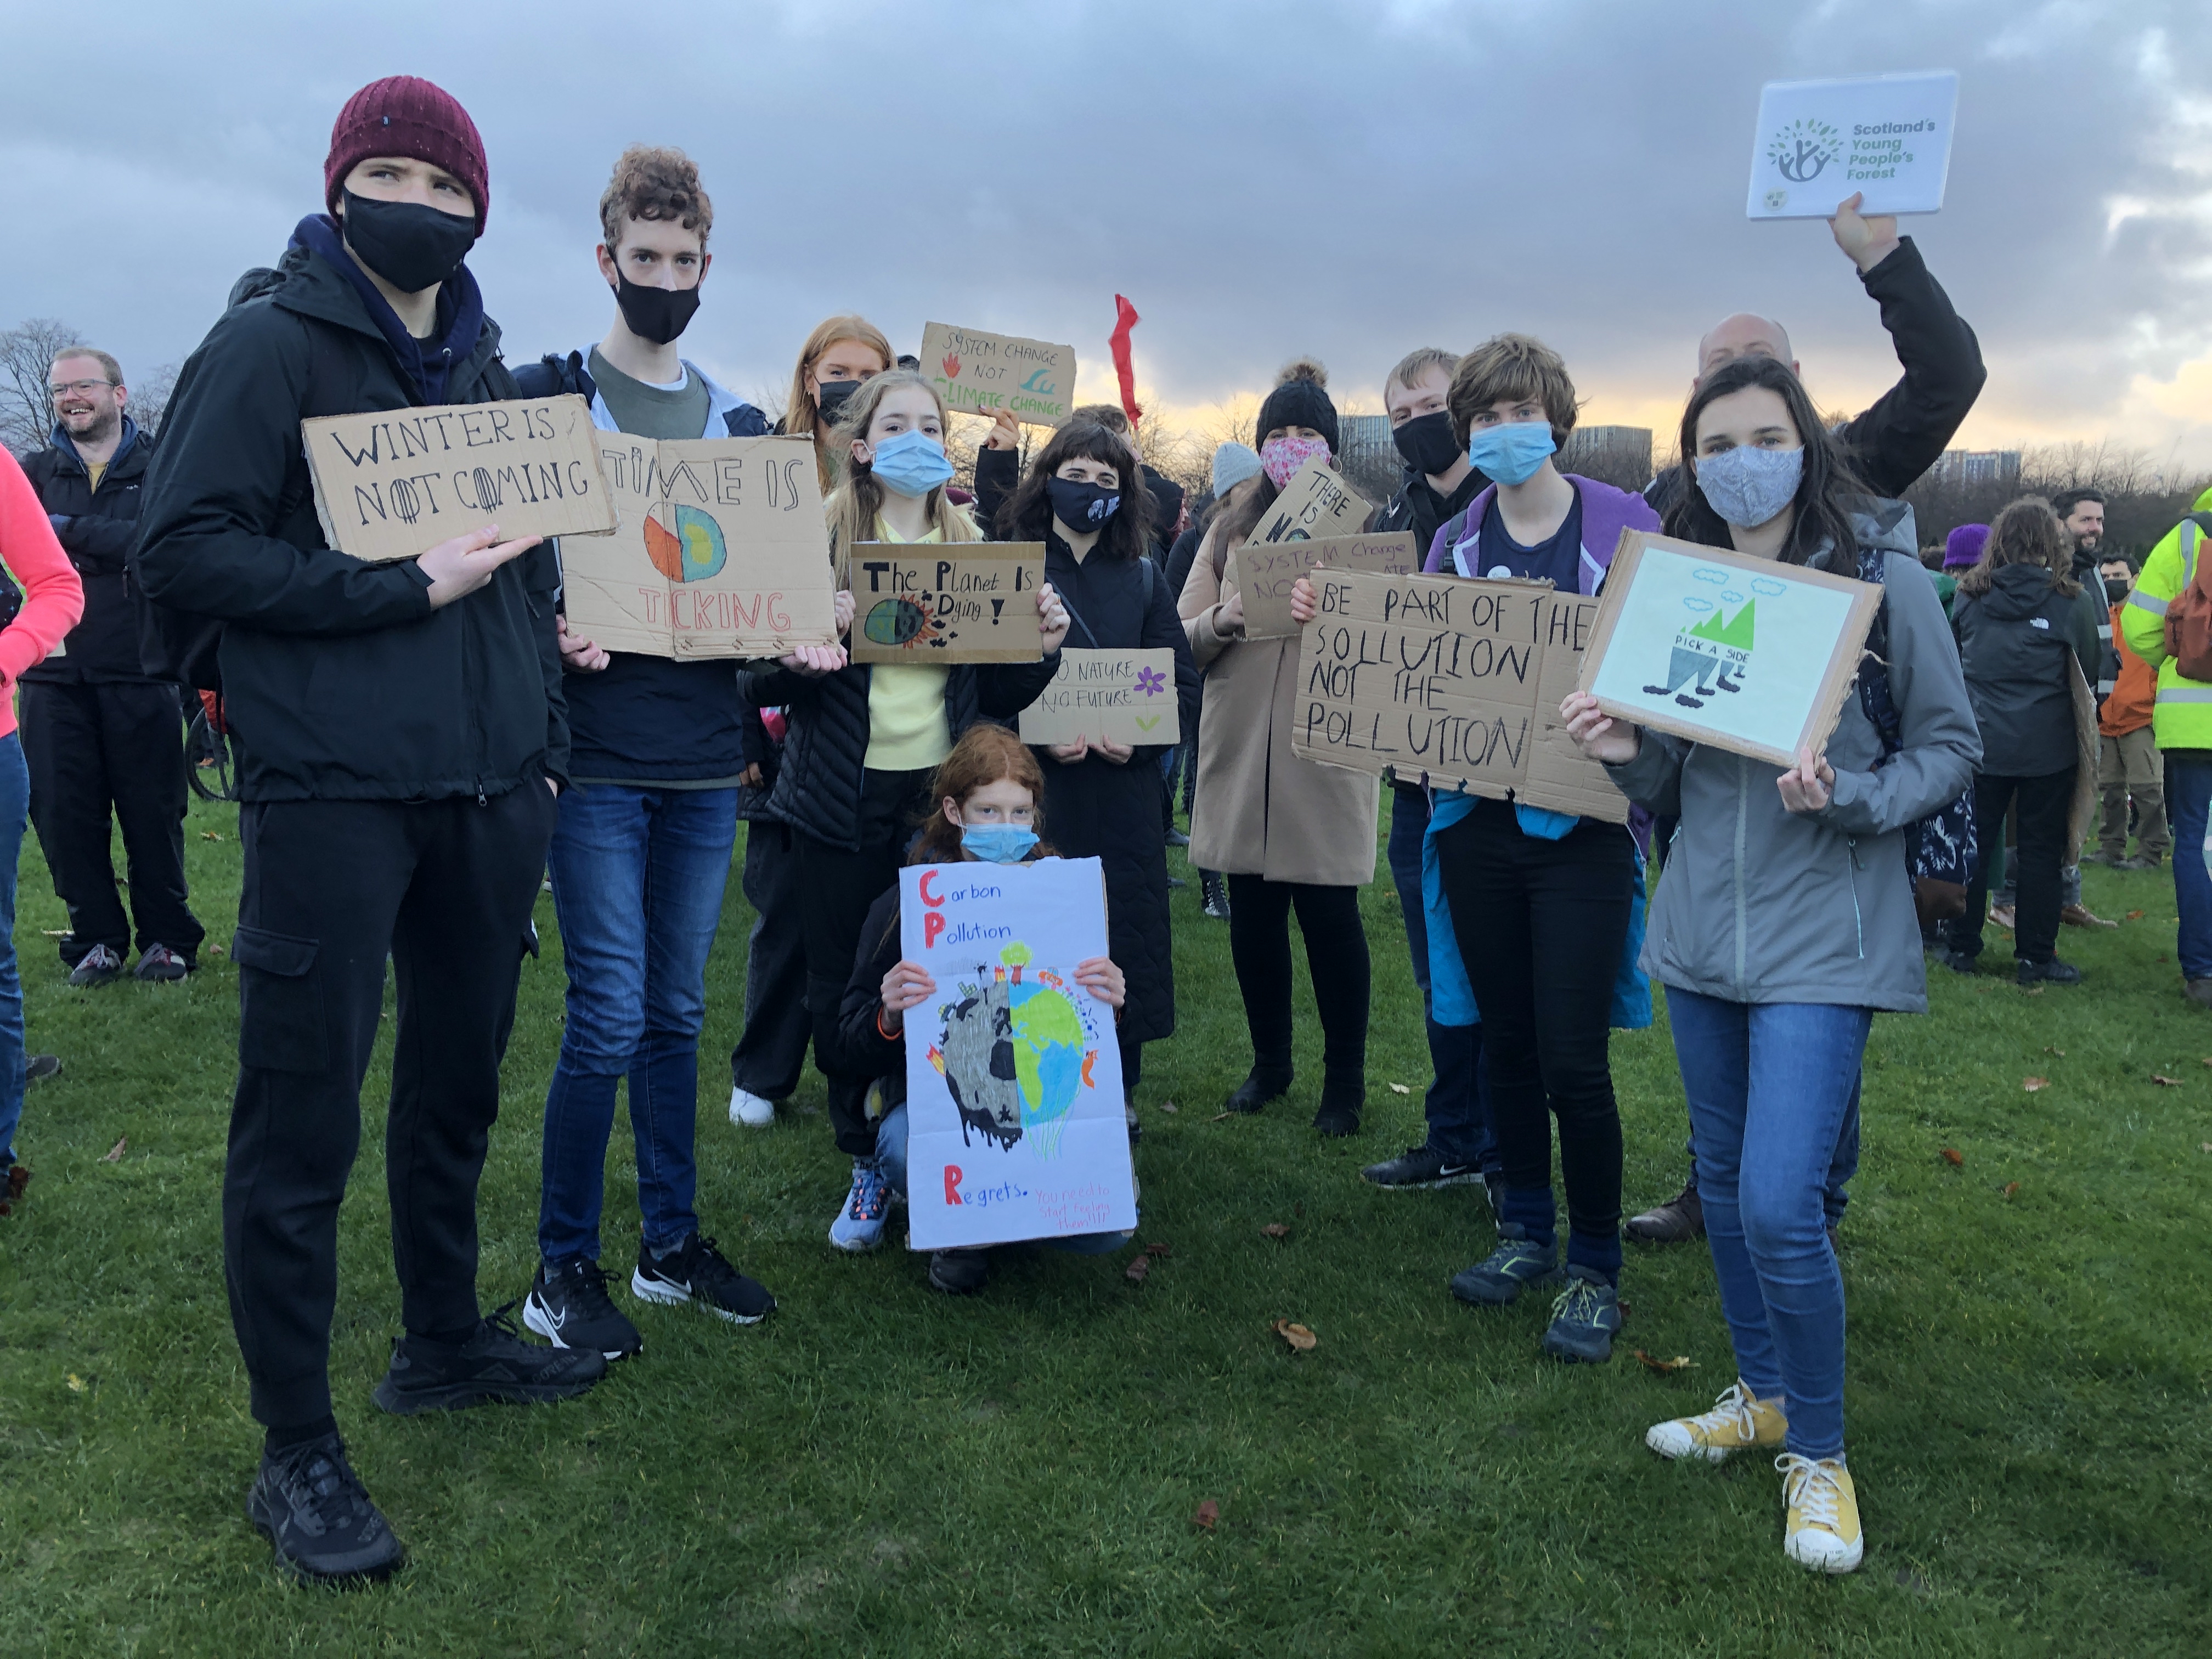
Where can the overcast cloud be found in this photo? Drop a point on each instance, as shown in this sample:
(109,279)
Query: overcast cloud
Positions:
(1350,179)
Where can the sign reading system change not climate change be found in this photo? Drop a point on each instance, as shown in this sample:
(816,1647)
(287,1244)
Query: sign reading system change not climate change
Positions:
(979,373)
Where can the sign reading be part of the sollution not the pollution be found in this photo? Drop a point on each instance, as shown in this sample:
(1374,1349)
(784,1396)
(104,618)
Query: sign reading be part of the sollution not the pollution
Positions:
(1886,136)
(946,602)
(720,550)
(1460,680)
(979,373)
(393,483)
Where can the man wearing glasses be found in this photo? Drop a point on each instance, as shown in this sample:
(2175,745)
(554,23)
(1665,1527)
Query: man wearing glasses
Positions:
(99,733)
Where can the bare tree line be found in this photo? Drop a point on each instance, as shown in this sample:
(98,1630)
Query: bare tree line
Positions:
(2144,496)
(26,413)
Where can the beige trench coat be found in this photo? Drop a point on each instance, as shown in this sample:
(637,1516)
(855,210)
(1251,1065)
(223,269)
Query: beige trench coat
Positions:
(1259,809)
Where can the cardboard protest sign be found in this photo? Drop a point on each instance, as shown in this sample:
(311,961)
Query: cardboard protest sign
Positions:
(1819,141)
(395,483)
(1430,674)
(720,551)
(946,602)
(979,373)
(1739,654)
(1265,576)
(1013,1077)
(1315,504)
(1123,696)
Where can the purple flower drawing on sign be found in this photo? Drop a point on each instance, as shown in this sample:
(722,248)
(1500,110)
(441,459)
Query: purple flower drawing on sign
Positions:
(1151,681)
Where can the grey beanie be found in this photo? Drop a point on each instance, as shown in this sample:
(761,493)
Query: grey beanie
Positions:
(1232,465)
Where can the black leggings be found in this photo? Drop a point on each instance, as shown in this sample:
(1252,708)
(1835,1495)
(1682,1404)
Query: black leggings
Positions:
(1541,925)
(1336,957)
(2045,804)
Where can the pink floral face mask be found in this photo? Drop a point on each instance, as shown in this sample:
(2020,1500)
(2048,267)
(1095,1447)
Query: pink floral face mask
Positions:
(1282,459)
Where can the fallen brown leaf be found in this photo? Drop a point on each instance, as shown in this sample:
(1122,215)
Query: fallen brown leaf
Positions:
(1300,1339)
(1138,1271)
(1680,1363)
(2165,1082)
(115,1152)
(2011,1187)
(1221,1117)
(2032,1084)
(1953,1156)
(1155,1248)
(2135,915)
(2206,1146)
(2061,1053)
(1400,1089)
(1276,1230)
(1208,1513)
(1169,1106)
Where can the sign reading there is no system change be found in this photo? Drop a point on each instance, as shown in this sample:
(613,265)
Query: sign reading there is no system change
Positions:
(1820,141)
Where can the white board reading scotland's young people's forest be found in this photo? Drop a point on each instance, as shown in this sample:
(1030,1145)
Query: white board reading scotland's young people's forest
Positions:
(1886,137)
(1016,1124)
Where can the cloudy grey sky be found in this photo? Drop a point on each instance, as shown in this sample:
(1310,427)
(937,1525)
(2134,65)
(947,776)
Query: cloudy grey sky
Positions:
(1350,178)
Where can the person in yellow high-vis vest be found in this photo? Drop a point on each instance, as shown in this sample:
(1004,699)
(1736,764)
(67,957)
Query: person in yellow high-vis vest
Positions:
(2181,719)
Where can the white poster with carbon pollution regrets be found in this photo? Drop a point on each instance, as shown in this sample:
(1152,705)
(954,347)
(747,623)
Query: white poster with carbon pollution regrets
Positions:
(1886,136)
(393,483)
(1013,1078)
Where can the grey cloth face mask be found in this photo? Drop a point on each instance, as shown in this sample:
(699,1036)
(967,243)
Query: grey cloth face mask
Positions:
(1746,487)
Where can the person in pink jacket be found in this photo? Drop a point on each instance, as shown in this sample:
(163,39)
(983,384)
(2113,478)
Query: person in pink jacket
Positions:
(54,600)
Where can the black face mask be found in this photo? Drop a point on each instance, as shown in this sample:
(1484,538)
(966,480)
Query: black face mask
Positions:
(832,395)
(1427,444)
(411,246)
(658,314)
(2116,588)
(1082,505)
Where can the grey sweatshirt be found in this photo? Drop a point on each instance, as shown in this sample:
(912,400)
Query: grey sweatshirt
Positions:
(1760,904)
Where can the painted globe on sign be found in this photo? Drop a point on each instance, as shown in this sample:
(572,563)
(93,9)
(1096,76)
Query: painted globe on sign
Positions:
(692,551)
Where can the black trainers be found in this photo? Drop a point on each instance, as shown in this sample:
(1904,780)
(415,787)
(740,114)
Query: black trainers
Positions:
(37,1068)
(309,1503)
(98,966)
(2053,972)
(959,1273)
(1341,1099)
(1257,1089)
(1584,1316)
(571,1309)
(1420,1168)
(159,965)
(697,1272)
(1497,1279)
(1213,892)
(495,1365)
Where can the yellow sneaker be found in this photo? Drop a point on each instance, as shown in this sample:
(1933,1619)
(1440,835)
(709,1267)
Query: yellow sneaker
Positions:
(1823,1528)
(1739,1421)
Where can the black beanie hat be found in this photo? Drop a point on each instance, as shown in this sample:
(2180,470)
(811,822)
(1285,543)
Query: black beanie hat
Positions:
(1299,399)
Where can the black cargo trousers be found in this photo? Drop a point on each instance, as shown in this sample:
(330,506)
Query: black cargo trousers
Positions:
(446,888)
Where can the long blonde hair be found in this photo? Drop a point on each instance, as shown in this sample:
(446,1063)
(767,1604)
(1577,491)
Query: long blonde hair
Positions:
(857,498)
(801,414)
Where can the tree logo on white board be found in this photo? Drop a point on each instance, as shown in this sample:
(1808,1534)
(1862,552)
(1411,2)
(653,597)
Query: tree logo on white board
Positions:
(1803,148)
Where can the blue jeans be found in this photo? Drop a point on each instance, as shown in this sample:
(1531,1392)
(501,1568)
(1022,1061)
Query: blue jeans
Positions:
(1835,1196)
(2188,802)
(1458,1102)
(15,806)
(637,882)
(891,1160)
(1769,1084)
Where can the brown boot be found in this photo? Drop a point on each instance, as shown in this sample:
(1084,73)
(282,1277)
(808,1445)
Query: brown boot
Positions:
(2081,915)
(2199,991)
(1680,1220)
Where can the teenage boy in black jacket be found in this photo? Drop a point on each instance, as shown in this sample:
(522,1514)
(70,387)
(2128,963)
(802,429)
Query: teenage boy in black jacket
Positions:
(642,847)
(99,732)
(402,740)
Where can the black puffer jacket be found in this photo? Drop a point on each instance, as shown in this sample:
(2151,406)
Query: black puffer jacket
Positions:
(1418,508)
(2014,641)
(340,682)
(103,523)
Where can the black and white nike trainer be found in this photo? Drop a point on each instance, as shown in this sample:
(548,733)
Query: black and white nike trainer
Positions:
(570,1308)
(1421,1167)
(695,1271)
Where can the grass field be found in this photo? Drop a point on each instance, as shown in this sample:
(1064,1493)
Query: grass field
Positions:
(880,1469)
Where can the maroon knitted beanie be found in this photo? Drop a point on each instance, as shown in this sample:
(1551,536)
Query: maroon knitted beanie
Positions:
(401,115)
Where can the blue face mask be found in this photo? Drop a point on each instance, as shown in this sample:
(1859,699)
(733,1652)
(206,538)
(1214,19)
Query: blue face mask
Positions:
(910,463)
(1511,451)
(1747,487)
(998,843)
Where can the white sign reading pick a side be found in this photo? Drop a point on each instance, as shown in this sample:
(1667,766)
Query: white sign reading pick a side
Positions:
(1820,141)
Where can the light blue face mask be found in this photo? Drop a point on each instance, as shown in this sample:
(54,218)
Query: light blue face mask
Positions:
(998,843)
(1511,451)
(910,463)
(1747,487)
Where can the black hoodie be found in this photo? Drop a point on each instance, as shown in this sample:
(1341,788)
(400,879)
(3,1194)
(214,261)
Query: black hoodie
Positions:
(339,680)
(2014,641)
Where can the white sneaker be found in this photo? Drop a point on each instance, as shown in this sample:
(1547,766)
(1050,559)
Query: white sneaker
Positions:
(1822,1528)
(751,1111)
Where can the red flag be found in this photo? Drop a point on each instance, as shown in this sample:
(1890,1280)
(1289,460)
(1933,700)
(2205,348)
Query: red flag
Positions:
(1125,318)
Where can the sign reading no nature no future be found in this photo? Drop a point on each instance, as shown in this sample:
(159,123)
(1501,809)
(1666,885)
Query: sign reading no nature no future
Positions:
(979,373)
(1460,680)
(393,483)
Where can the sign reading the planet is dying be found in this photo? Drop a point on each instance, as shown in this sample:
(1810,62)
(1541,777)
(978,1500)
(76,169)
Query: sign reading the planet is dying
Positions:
(1016,1124)
(720,550)
(393,483)
(1885,136)
(979,373)
(939,602)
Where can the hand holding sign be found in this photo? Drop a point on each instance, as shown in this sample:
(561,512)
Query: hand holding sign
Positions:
(907,986)
(1597,734)
(1868,241)
(458,567)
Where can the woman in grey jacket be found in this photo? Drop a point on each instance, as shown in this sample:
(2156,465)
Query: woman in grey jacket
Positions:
(1785,920)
